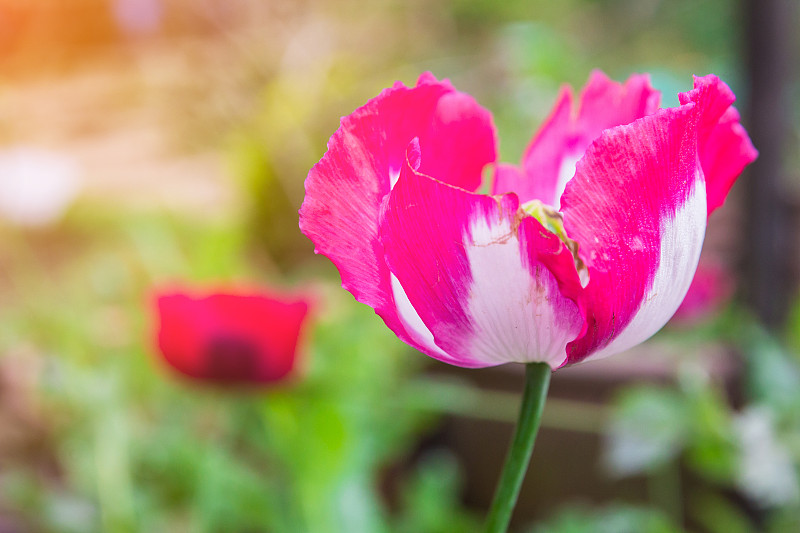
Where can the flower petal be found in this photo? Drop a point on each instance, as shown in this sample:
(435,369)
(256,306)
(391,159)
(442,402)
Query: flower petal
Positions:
(488,284)
(637,206)
(725,148)
(345,190)
(549,162)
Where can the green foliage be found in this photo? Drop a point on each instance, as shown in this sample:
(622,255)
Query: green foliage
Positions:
(140,450)
(612,519)
(429,499)
(773,373)
(752,451)
(649,428)
(717,514)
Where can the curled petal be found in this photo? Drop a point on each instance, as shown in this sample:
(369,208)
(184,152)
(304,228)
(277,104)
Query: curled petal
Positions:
(549,161)
(484,285)
(724,146)
(345,190)
(637,206)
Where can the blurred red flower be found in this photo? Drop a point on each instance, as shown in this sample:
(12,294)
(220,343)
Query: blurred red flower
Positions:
(230,338)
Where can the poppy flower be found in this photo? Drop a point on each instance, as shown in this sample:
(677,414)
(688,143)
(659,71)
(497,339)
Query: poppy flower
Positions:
(230,338)
(584,250)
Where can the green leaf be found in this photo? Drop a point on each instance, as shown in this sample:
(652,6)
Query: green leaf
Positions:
(649,427)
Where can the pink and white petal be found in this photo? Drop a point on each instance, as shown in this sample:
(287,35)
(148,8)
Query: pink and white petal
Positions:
(490,285)
(538,177)
(459,141)
(345,190)
(713,97)
(511,178)
(724,146)
(549,162)
(637,206)
(606,103)
(723,157)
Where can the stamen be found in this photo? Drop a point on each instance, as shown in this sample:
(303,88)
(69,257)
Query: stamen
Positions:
(553,221)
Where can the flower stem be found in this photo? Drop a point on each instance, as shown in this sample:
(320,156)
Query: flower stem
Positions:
(537,379)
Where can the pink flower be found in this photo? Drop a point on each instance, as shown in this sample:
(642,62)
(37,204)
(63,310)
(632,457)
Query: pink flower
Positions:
(711,288)
(583,251)
(230,338)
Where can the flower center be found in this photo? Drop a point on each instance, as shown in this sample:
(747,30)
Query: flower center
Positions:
(553,221)
(230,358)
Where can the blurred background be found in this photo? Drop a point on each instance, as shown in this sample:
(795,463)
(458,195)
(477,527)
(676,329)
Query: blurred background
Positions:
(152,142)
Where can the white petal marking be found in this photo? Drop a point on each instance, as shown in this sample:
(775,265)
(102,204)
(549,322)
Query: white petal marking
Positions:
(565,173)
(517,317)
(681,241)
(411,320)
(394,175)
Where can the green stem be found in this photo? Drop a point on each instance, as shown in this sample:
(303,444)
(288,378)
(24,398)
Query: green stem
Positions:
(537,379)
